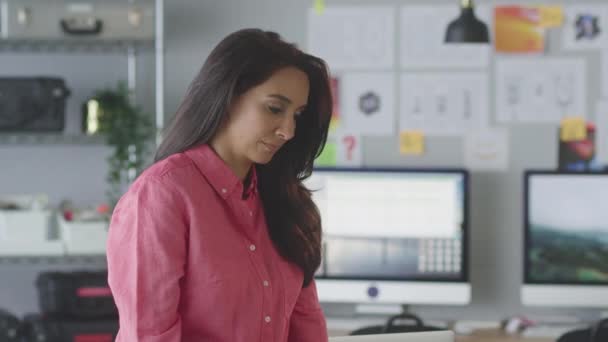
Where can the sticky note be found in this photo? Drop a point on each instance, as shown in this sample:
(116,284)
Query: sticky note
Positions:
(551,16)
(573,129)
(411,142)
(328,156)
(319,6)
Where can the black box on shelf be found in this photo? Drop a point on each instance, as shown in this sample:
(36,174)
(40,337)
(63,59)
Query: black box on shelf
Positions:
(38,328)
(80,294)
(10,327)
(32,104)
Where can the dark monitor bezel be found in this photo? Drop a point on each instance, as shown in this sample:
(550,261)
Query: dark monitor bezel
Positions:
(528,174)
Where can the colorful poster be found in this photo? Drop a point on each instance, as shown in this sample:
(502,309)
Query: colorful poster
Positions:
(334,83)
(578,155)
(518,29)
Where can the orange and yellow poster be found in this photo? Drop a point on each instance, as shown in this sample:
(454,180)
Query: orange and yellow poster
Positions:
(518,29)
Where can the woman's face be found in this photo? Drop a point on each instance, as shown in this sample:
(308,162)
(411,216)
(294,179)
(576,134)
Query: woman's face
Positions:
(262,119)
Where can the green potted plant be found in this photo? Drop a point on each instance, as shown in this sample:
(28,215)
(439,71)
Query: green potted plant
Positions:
(127,129)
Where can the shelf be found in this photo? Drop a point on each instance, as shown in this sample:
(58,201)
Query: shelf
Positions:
(74,45)
(54,260)
(49,139)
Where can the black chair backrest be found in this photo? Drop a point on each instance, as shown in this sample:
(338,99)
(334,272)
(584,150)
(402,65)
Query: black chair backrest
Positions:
(598,332)
(416,325)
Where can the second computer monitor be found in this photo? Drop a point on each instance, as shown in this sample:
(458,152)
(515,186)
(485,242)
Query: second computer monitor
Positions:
(566,239)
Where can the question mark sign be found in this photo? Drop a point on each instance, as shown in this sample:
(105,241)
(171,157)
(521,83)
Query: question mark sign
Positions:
(350,143)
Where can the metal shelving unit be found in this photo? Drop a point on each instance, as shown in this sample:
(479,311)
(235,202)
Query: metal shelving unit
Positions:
(131,49)
(93,260)
(48,139)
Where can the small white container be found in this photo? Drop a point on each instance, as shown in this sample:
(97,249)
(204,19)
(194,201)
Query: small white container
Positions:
(25,225)
(83,237)
(49,248)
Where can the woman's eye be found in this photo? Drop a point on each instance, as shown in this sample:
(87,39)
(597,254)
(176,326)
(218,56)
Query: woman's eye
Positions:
(275,110)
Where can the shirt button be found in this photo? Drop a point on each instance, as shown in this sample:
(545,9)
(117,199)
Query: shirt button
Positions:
(267,319)
(250,213)
(224,190)
(252,248)
(266,283)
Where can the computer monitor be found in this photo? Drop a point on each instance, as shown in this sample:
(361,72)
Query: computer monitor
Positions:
(566,239)
(393,236)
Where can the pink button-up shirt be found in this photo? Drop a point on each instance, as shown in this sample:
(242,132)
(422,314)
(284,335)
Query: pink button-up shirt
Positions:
(190,259)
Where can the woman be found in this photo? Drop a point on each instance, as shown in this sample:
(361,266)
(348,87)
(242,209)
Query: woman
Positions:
(219,240)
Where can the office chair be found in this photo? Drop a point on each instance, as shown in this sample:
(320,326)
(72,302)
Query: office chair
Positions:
(391,327)
(598,332)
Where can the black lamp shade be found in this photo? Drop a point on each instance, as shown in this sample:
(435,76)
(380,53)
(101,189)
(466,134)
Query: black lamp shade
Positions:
(467,29)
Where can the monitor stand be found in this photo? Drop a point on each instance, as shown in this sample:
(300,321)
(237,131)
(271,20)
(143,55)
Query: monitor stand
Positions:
(381,309)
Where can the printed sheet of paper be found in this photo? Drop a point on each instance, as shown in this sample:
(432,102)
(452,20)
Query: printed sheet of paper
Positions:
(422,35)
(487,150)
(585,26)
(353,37)
(540,89)
(601,133)
(604,71)
(368,103)
(443,103)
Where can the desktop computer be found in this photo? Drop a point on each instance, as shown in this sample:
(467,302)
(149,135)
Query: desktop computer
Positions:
(565,239)
(393,236)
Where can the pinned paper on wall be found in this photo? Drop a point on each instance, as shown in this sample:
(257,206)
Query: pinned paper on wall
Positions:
(604,73)
(411,142)
(585,27)
(551,15)
(535,89)
(319,6)
(349,150)
(422,38)
(487,150)
(328,156)
(353,37)
(601,134)
(573,129)
(367,101)
(443,104)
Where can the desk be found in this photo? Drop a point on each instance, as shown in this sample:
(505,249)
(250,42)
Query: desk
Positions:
(491,335)
(496,336)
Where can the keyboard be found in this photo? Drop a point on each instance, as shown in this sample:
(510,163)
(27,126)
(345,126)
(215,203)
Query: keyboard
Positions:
(553,331)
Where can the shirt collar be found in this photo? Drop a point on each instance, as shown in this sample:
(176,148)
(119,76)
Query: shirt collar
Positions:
(219,174)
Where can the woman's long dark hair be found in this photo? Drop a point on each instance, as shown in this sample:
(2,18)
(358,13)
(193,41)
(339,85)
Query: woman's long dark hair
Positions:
(243,60)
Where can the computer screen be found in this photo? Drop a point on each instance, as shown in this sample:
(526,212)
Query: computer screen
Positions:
(566,239)
(392,235)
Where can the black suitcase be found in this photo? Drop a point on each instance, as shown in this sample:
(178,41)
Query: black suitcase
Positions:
(32,104)
(82,294)
(47,329)
(10,327)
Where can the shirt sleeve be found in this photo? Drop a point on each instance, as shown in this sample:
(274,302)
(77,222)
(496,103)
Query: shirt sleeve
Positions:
(146,253)
(307,322)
